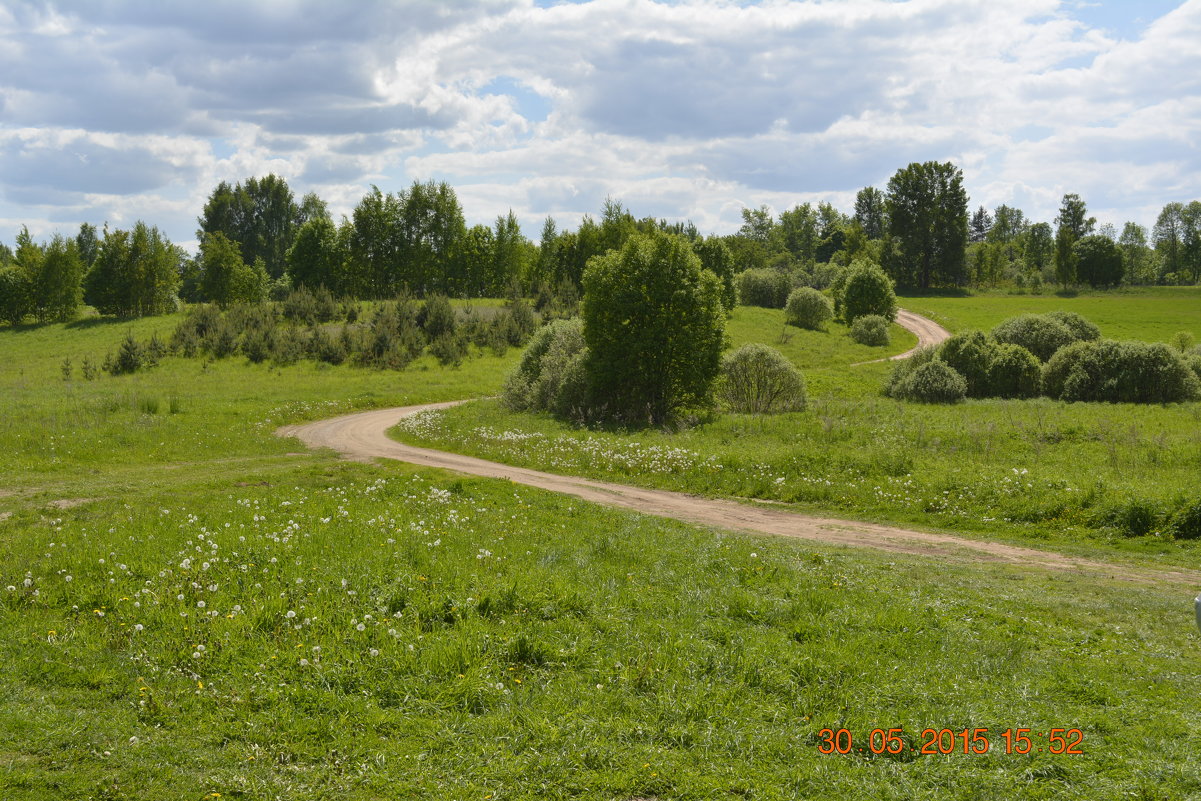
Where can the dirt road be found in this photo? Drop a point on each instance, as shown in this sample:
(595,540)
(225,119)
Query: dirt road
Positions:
(928,333)
(364,436)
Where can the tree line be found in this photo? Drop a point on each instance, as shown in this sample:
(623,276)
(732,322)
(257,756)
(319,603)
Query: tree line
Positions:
(257,241)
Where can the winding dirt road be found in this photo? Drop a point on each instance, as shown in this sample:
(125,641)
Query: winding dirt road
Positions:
(928,333)
(364,436)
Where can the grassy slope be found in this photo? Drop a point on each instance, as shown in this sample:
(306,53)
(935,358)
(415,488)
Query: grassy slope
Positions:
(543,648)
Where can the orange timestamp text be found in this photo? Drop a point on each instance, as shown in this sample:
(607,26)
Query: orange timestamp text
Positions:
(944,742)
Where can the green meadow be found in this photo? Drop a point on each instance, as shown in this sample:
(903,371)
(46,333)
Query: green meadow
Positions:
(191,607)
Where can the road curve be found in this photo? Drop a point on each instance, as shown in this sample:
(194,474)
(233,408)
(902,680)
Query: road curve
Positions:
(928,333)
(364,436)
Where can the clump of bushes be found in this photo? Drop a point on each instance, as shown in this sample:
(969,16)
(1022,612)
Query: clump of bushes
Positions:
(1081,329)
(932,382)
(970,353)
(808,308)
(1041,334)
(757,379)
(1014,372)
(1119,372)
(1185,523)
(870,329)
(550,376)
(763,287)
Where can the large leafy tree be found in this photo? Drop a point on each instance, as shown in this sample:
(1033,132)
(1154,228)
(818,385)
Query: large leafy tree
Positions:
(260,216)
(1191,239)
(1136,254)
(655,328)
(226,279)
(510,254)
(1073,215)
(1039,246)
(58,287)
(317,256)
(927,221)
(799,233)
(871,212)
(717,259)
(1098,261)
(1073,225)
(136,273)
(409,239)
(1168,235)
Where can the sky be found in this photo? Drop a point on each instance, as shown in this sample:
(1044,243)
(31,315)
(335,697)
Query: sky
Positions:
(113,111)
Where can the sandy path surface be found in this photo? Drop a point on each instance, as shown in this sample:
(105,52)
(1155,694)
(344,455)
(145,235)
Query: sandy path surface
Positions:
(364,436)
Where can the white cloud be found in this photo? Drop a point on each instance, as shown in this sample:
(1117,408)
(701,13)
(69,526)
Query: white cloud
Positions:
(685,109)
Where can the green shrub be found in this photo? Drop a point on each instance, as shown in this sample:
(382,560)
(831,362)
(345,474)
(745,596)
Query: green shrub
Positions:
(1014,372)
(1193,361)
(870,329)
(970,353)
(288,346)
(326,348)
(256,346)
(548,377)
(934,382)
(300,306)
(867,290)
(1119,372)
(763,287)
(436,318)
(1037,333)
(1185,523)
(394,339)
(449,349)
(903,368)
(808,308)
(1082,330)
(1133,517)
(129,358)
(757,379)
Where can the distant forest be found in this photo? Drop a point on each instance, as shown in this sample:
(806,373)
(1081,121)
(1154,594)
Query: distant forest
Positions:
(257,242)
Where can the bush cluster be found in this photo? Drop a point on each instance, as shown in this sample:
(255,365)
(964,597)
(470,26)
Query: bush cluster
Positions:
(870,329)
(304,326)
(932,382)
(763,287)
(1119,372)
(1044,334)
(1086,369)
(808,308)
(757,379)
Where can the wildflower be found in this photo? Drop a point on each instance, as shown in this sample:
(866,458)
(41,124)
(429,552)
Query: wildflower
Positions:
(67,578)
(200,604)
(374,652)
(291,614)
(304,663)
(138,627)
(361,627)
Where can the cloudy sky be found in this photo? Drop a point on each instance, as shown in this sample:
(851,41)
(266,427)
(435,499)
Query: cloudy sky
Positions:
(114,110)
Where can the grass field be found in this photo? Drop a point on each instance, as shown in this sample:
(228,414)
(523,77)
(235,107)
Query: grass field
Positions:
(1148,314)
(468,639)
